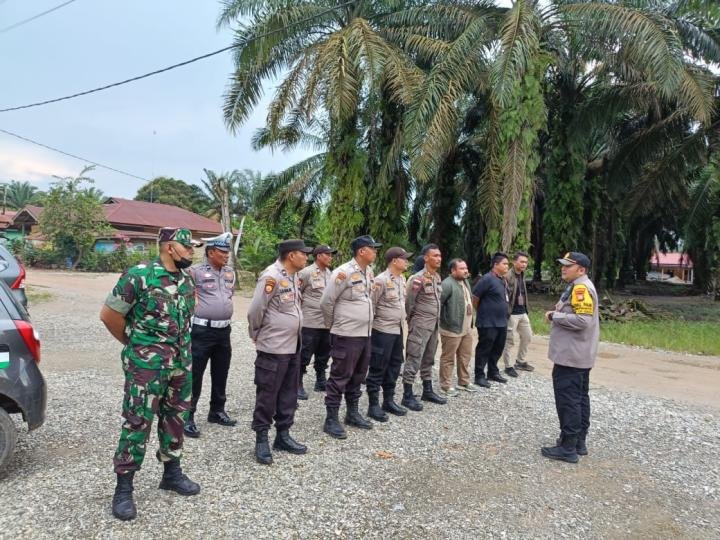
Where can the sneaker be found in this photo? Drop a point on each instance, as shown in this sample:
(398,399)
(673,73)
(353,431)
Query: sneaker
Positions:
(450,392)
(524,366)
(468,387)
(511,372)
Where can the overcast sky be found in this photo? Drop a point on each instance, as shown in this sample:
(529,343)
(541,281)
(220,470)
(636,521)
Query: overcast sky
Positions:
(168,125)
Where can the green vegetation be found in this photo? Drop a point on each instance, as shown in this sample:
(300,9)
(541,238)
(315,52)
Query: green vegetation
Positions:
(36,296)
(690,326)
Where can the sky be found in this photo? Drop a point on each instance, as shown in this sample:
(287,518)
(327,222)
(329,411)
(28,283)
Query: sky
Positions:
(169,125)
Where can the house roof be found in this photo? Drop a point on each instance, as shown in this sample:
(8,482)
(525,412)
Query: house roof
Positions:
(6,219)
(122,213)
(680,260)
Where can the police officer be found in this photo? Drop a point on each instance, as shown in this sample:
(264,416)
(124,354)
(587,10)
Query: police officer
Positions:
(386,357)
(214,285)
(422,304)
(348,312)
(315,335)
(574,335)
(274,322)
(148,311)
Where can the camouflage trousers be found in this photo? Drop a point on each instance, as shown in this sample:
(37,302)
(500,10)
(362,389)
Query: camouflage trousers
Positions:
(164,393)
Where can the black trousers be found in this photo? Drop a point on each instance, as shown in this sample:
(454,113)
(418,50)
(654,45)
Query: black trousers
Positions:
(489,349)
(315,341)
(572,401)
(276,386)
(351,356)
(386,359)
(211,344)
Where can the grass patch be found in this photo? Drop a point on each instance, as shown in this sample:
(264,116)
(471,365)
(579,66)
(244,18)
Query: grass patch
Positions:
(35,296)
(698,337)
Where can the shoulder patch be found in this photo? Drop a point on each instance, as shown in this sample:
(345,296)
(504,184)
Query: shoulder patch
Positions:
(582,301)
(341,276)
(270,285)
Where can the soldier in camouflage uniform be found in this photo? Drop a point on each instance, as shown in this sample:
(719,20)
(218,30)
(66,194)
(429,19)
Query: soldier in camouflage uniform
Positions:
(149,311)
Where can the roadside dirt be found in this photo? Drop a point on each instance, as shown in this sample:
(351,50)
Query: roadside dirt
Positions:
(677,376)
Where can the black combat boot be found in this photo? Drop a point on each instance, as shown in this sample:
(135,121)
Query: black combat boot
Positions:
(332,425)
(123,505)
(262,448)
(190,429)
(374,410)
(173,479)
(354,418)
(562,452)
(302,394)
(320,380)
(430,395)
(580,447)
(409,400)
(390,406)
(283,441)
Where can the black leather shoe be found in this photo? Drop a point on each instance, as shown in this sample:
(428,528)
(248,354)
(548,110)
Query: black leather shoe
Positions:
(510,371)
(482,381)
(559,453)
(190,429)
(332,425)
(262,448)
(302,394)
(497,378)
(429,394)
(354,418)
(222,418)
(409,399)
(123,505)
(524,366)
(173,479)
(283,441)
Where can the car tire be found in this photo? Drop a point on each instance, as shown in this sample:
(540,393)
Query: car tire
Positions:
(8,438)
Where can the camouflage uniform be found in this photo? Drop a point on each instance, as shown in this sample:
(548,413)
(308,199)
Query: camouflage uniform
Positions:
(157,360)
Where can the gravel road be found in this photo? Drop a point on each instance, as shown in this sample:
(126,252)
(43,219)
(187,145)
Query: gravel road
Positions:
(470,469)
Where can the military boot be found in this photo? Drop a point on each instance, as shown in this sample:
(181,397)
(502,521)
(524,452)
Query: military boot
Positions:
(262,448)
(320,380)
(332,425)
(173,479)
(429,394)
(580,446)
(390,406)
(123,505)
(190,429)
(562,452)
(283,441)
(374,410)
(354,418)
(409,400)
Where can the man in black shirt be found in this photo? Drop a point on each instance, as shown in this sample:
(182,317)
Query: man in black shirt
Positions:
(490,297)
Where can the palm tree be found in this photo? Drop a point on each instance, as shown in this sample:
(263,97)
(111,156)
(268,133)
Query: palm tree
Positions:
(19,194)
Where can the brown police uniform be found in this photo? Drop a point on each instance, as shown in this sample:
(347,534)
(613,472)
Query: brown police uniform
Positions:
(275,319)
(422,304)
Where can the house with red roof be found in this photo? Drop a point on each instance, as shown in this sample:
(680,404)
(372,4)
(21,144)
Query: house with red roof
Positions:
(677,267)
(135,223)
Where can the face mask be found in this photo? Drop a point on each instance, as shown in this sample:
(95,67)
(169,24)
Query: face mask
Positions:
(182,263)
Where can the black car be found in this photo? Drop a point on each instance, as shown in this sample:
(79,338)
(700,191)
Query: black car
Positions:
(12,272)
(22,386)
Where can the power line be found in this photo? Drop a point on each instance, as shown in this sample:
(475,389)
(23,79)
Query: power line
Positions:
(34,17)
(10,133)
(175,66)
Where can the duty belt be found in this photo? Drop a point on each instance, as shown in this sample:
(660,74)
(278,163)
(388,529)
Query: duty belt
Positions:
(213,324)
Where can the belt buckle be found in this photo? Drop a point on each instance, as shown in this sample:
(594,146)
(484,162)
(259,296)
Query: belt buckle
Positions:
(208,323)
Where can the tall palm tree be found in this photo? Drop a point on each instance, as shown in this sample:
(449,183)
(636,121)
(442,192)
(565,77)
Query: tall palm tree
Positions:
(19,194)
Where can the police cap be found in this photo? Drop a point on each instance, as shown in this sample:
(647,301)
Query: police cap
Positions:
(324,249)
(396,253)
(293,244)
(364,241)
(575,257)
(221,241)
